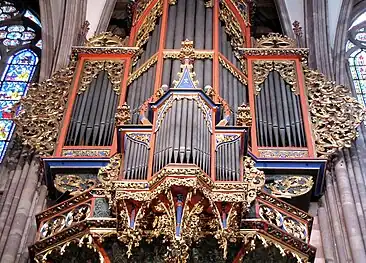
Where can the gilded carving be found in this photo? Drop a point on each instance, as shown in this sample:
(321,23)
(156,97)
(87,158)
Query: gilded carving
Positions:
(187,51)
(77,152)
(253,178)
(232,27)
(276,153)
(106,39)
(123,114)
(92,68)
(301,52)
(75,184)
(209,3)
(143,68)
(288,224)
(142,138)
(225,138)
(60,248)
(65,220)
(334,113)
(286,68)
(198,54)
(290,186)
(39,118)
(275,40)
(206,110)
(111,171)
(140,8)
(148,24)
(241,6)
(233,71)
(244,116)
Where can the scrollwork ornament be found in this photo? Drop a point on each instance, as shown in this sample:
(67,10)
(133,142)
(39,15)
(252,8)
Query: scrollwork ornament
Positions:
(286,69)
(92,68)
(76,184)
(39,120)
(106,39)
(291,186)
(275,40)
(334,113)
(148,25)
(254,178)
(108,174)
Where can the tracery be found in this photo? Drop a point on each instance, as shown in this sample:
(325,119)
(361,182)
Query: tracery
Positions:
(356,53)
(20,47)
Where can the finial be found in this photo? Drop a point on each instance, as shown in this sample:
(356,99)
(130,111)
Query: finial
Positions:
(123,114)
(243,116)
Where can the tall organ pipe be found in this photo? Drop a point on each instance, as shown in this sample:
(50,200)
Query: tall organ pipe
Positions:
(86,125)
(278,114)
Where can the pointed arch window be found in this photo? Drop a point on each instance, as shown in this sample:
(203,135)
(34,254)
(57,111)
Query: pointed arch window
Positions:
(356,52)
(20,48)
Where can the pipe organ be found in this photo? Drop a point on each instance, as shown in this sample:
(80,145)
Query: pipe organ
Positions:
(163,134)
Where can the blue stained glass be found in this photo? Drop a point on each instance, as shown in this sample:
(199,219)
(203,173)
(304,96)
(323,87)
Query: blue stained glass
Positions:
(27,35)
(353,72)
(6,129)
(13,90)
(3,145)
(16,28)
(8,9)
(4,17)
(14,35)
(26,57)
(19,70)
(29,15)
(6,106)
(10,42)
(19,73)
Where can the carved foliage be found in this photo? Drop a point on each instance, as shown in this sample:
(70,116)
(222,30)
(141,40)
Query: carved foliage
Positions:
(74,183)
(291,186)
(38,122)
(286,68)
(114,68)
(335,115)
(149,24)
(106,39)
(275,40)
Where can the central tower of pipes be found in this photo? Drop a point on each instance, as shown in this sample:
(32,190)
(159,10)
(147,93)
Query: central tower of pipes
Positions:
(184,136)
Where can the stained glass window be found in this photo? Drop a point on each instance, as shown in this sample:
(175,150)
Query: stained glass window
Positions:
(20,46)
(356,51)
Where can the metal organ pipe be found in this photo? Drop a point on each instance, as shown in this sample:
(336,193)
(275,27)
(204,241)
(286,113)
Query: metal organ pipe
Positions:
(278,114)
(87,125)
